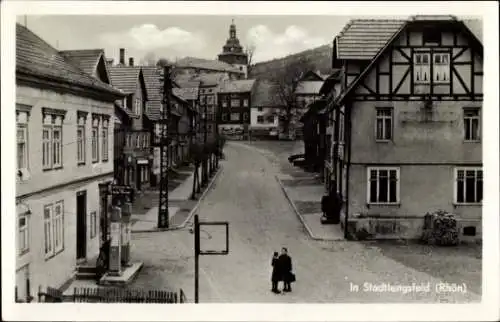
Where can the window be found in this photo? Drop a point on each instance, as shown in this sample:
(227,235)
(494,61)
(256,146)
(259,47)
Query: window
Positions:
(57,146)
(441,68)
(383,124)
(22,150)
(383,185)
(224,116)
(80,142)
(235,103)
(128,140)
(245,102)
(270,118)
(138,142)
(260,119)
(341,128)
(53,218)
(105,141)
(431,36)
(95,144)
(469,185)
(224,103)
(245,116)
(210,99)
(46,147)
(259,108)
(471,124)
(23,229)
(52,147)
(137,107)
(421,68)
(93,224)
(235,116)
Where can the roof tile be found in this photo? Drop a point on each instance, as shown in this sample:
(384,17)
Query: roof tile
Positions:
(192,62)
(35,56)
(86,59)
(125,77)
(237,86)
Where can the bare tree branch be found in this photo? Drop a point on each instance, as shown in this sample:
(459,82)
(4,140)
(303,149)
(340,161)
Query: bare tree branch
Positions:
(287,80)
(250,52)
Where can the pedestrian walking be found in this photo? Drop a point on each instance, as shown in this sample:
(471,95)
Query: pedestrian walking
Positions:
(276,274)
(285,265)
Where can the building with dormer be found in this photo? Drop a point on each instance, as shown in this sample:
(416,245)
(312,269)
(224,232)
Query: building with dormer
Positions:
(64,161)
(407,124)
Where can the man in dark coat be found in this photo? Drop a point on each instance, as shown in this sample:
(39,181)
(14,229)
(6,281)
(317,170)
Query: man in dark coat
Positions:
(276,274)
(285,263)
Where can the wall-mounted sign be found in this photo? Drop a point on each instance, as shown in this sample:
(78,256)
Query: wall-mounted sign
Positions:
(142,161)
(121,190)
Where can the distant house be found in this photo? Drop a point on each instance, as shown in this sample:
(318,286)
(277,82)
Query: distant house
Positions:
(234,100)
(307,92)
(64,161)
(265,110)
(135,165)
(196,66)
(188,99)
(407,122)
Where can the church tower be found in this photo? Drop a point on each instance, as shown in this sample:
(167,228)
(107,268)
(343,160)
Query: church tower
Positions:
(232,51)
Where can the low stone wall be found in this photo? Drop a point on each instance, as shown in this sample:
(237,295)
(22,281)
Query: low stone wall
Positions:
(373,227)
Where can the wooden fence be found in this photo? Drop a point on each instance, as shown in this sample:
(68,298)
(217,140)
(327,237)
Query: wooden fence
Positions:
(111,295)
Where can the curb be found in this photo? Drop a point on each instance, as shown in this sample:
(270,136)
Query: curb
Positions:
(191,213)
(301,218)
(203,195)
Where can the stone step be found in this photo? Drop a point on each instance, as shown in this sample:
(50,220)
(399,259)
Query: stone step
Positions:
(86,275)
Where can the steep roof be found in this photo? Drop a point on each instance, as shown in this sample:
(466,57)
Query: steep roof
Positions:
(193,62)
(237,86)
(125,77)
(86,59)
(361,39)
(186,93)
(265,94)
(309,87)
(476,27)
(36,57)
(153,86)
(413,19)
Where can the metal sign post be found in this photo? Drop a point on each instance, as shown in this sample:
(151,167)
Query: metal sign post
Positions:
(198,252)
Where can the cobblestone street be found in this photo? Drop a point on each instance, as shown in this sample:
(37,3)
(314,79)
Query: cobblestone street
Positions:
(261,221)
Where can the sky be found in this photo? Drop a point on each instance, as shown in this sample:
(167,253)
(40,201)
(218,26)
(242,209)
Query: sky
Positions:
(175,36)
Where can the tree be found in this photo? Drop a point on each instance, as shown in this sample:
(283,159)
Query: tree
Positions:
(250,52)
(286,82)
(162,62)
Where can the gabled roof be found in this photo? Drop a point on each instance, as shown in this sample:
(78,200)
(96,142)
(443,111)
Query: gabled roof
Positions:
(309,87)
(211,79)
(265,94)
(86,59)
(375,60)
(361,39)
(237,86)
(125,77)
(37,58)
(153,86)
(188,94)
(200,63)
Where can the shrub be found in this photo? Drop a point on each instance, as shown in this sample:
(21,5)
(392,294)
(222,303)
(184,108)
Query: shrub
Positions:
(440,228)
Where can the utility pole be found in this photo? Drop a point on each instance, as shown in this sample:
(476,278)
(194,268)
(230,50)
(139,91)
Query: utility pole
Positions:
(205,158)
(163,215)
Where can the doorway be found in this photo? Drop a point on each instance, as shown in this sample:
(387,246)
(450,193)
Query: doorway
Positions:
(81,225)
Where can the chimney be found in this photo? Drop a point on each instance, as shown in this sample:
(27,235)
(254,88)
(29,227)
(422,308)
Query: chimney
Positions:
(131,61)
(122,56)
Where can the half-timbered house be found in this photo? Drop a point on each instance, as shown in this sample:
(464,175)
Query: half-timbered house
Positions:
(407,124)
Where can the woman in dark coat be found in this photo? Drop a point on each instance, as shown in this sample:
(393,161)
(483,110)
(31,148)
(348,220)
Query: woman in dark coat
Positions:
(276,274)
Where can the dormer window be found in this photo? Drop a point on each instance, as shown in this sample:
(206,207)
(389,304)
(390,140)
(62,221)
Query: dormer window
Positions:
(431,36)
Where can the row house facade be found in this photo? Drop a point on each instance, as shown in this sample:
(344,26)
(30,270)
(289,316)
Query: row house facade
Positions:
(133,166)
(265,109)
(64,158)
(234,104)
(407,123)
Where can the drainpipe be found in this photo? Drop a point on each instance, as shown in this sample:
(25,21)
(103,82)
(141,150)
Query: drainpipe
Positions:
(348,133)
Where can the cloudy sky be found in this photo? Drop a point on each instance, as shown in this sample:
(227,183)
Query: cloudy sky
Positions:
(178,36)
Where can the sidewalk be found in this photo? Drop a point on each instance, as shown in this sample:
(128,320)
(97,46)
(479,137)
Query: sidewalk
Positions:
(304,191)
(181,207)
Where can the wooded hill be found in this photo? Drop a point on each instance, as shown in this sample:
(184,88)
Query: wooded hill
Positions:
(321,57)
